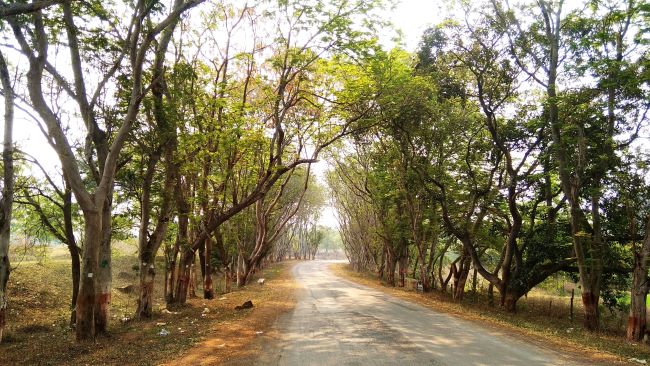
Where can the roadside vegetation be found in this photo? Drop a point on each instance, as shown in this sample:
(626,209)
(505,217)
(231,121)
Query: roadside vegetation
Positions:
(40,314)
(187,128)
(509,149)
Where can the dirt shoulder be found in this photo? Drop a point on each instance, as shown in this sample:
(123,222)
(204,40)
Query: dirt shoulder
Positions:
(237,336)
(600,349)
(192,335)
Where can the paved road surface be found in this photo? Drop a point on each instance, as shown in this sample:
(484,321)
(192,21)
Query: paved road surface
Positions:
(337,322)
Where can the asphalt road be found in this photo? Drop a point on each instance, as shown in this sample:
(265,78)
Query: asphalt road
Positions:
(337,322)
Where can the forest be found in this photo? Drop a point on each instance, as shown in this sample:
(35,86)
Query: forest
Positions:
(511,146)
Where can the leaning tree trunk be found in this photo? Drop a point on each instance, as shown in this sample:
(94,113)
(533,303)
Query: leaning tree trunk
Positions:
(244,270)
(7,190)
(636,321)
(460,278)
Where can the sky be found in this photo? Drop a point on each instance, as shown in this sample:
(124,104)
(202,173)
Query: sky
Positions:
(411,17)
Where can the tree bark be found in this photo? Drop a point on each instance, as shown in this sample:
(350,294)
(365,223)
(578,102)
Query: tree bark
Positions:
(510,302)
(94,290)
(6,201)
(75,268)
(145,299)
(636,322)
(191,287)
(391,262)
(208,291)
(85,328)
(403,264)
(183,280)
(460,277)
(244,269)
(104,272)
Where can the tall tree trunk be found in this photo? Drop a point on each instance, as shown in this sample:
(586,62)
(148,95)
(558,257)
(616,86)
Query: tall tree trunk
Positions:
(183,279)
(587,241)
(424,276)
(403,267)
(381,271)
(6,201)
(75,267)
(180,274)
(191,288)
(148,244)
(85,328)
(208,291)
(147,278)
(391,263)
(474,280)
(590,268)
(104,272)
(244,270)
(201,252)
(145,256)
(636,321)
(171,272)
(75,252)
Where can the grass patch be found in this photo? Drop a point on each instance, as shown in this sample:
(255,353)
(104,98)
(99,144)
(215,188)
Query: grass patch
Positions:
(39,310)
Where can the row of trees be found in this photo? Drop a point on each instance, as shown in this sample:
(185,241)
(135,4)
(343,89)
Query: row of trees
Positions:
(514,139)
(198,127)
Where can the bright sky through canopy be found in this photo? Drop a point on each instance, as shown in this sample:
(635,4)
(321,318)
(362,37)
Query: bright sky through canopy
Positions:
(411,18)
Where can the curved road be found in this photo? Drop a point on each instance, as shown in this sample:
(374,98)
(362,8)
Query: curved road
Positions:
(337,322)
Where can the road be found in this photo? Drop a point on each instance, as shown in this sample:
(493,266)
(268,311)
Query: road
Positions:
(337,322)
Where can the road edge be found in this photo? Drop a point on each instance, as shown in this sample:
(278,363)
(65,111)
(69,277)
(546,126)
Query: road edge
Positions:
(570,350)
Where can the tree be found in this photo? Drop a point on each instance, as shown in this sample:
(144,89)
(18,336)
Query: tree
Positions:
(58,215)
(32,36)
(6,201)
(272,214)
(584,139)
(277,103)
